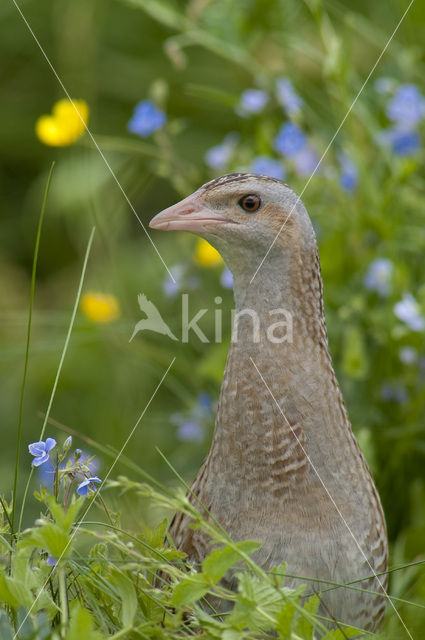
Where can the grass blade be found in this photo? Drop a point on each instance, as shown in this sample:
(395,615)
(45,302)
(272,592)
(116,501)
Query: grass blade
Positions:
(64,350)
(27,347)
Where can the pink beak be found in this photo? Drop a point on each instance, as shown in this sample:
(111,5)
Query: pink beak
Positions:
(187,215)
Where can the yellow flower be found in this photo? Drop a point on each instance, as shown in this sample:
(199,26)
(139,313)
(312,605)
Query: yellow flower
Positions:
(64,126)
(100,307)
(206,255)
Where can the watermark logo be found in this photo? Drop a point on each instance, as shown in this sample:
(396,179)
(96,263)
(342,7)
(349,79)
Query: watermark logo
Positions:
(153,320)
(275,326)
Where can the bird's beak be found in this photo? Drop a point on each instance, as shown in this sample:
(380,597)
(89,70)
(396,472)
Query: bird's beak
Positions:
(187,215)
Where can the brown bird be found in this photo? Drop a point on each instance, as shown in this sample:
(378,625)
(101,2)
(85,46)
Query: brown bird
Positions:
(284,467)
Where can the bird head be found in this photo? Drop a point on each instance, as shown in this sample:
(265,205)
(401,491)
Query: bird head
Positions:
(244,216)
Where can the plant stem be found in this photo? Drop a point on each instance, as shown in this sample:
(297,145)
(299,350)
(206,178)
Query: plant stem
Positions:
(101,500)
(62,358)
(63,599)
(56,478)
(24,377)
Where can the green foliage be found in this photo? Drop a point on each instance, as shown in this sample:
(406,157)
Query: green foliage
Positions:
(81,625)
(217,564)
(116,584)
(53,534)
(25,586)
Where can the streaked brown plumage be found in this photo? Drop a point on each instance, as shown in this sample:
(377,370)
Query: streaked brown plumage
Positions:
(284,467)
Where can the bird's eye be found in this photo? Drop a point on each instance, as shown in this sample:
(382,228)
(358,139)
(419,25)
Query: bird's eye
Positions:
(250,203)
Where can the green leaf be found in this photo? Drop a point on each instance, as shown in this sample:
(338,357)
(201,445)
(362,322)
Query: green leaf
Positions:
(24,623)
(256,603)
(155,537)
(14,592)
(209,623)
(42,625)
(20,565)
(128,596)
(82,625)
(284,620)
(64,518)
(6,629)
(189,590)
(219,561)
(52,538)
(278,573)
(303,626)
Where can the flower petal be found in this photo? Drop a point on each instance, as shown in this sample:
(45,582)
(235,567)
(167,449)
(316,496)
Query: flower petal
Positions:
(50,561)
(146,119)
(206,255)
(100,307)
(50,443)
(83,488)
(290,140)
(40,460)
(36,448)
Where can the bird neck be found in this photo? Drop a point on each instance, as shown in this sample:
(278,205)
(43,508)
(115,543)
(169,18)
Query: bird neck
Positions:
(287,299)
(279,377)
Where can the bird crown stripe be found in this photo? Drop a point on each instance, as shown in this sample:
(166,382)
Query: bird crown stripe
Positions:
(239,177)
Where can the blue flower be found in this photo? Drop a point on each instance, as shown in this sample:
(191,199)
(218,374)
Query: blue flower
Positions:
(349,176)
(252,101)
(41,451)
(172,287)
(87,484)
(50,561)
(266,166)
(204,400)
(190,430)
(407,310)
(146,119)
(290,140)
(407,107)
(404,142)
(226,279)
(217,157)
(378,276)
(46,473)
(407,355)
(288,97)
(306,161)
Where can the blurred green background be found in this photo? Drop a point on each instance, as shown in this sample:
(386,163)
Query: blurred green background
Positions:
(194,60)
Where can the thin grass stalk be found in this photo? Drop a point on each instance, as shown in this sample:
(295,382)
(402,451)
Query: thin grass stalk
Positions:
(27,347)
(64,350)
